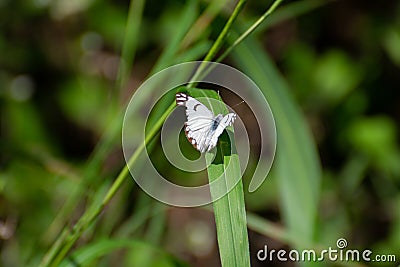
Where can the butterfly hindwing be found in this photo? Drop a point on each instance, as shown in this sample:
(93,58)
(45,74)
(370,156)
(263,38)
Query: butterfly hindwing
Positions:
(226,121)
(201,128)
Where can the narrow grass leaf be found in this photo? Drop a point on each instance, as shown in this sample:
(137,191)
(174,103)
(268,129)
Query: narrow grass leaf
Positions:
(89,253)
(130,43)
(183,24)
(229,211)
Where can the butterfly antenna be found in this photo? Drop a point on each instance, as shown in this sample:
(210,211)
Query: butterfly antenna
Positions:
(238,104)
(220,100)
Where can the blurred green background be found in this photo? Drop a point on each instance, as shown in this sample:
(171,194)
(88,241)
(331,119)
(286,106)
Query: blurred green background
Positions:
(60,96)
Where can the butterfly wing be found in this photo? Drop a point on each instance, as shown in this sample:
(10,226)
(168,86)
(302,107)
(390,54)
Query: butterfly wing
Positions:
(199,128)
(199,120)
(226,121)
(195,110)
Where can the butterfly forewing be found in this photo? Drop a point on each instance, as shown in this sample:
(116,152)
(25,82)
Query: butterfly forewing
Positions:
(200,125)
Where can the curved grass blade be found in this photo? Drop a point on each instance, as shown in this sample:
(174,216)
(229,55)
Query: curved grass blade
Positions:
(89,253)
(297,161)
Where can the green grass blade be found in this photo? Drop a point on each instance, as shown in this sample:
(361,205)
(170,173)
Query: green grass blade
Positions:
(289,11)
(101,248)
(267,228)
(229,210)
(252,27)
(297,161)
(185,22)
(195,52)
(215,48)
(130,41)
(201,25)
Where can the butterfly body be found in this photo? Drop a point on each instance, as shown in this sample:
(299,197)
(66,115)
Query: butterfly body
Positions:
(202,128)
(216,122)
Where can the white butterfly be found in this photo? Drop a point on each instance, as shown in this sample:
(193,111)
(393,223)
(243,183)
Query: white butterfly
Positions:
(202,128)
